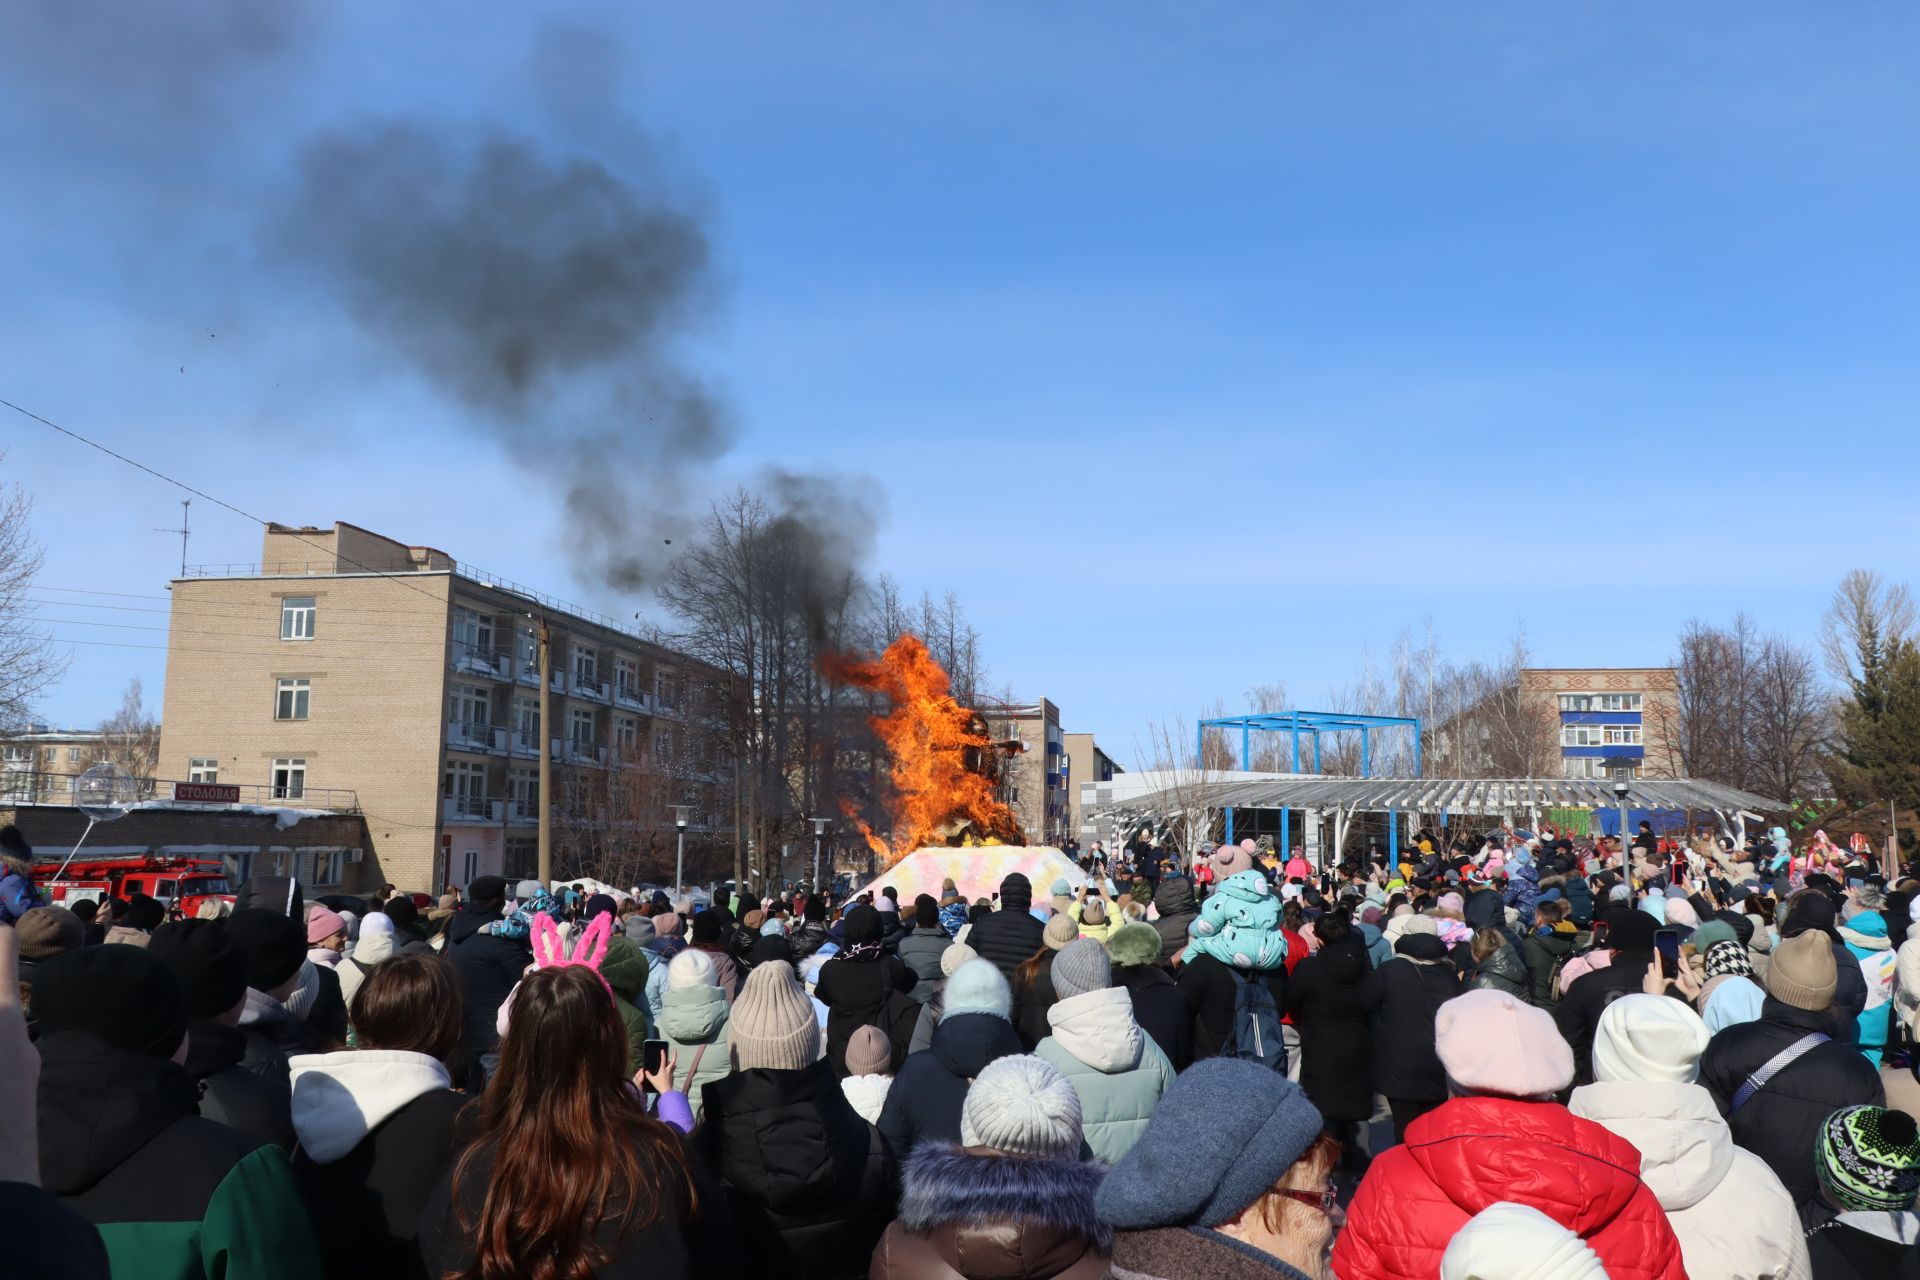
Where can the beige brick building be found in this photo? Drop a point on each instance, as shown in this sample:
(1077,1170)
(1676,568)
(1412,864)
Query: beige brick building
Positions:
(347,661)
(38,763)
(1085,762)
(1607,721)
(1034,784)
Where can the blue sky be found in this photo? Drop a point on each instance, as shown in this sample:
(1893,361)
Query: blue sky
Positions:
(1195,345)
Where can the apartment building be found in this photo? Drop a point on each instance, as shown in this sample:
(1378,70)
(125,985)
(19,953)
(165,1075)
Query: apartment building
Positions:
(1607,721)
(1035,784)
(38,763)
(1085,762)
(348,660)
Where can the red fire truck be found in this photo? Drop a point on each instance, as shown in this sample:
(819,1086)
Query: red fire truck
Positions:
(174,881)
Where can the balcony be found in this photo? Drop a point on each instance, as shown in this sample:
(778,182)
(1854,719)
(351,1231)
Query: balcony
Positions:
(463,736)
(522,813)
(632,699)
(475,660)
(526,671)
(593,690)
(568,751)
(471,810)
(524,744)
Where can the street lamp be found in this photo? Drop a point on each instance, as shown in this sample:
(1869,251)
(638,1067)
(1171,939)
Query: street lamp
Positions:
(681,813)
(820,828)
(1620,789)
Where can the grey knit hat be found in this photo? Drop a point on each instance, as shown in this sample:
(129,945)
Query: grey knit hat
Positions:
(1022,1105)
(772,1023)
(1081,966)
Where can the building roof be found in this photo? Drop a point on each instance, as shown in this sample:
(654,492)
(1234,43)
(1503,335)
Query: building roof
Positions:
(1456,795)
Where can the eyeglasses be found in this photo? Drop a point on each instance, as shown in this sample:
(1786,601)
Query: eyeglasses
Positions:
(1321,1200)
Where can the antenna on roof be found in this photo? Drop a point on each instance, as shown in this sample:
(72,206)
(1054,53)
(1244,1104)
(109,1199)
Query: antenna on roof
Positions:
(184,529)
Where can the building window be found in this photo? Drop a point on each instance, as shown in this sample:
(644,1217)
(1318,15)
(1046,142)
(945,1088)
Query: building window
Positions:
(296,618)
(523,789)
(465,788)
(526,722)
(626,734)
(73,755)
(19,754)
(239,867)
(1617,702)
(1621,735)
(1600,735)
(586,664)
(526,652)
(1576,702)
(471,707)
(663,746)
(580,727)
(291,701)
(51,754)
(471,860)
(203,769)
(669,691)
(289,779)
(326,867)
(626,678)
(473,631)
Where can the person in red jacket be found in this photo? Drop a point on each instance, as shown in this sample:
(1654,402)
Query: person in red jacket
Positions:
(1503,1138)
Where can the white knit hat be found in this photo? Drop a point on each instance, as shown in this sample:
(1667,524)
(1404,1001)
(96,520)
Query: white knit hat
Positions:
(959,953)
(690,969)
(1507,1241)
(1024,1106)
(1643,1037)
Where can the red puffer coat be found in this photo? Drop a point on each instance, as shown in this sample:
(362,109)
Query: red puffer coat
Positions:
(1473,1152)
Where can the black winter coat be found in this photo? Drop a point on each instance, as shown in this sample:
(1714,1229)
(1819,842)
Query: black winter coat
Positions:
(674,1248)
(1403,995)
(1326,997)
(806,939)
(1545,948)
(1174,901)
(366,1206)
(1781,1123)
(1504,971)
(923,1104)
(856,995)
(1580,1007)
(328,1017)
(1844,1252)
(1160,1010)
(1210,991)
(1031,1000)
(1579,895)
(810,1184)
(1007,937)
(487,966)
(255,1104)
(46,1240)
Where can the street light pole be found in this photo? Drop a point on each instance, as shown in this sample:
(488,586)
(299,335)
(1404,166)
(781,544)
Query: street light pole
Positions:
(546,764)
(680,814)
(1620,790)
(820,826)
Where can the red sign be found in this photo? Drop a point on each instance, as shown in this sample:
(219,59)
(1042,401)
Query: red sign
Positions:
(206,793)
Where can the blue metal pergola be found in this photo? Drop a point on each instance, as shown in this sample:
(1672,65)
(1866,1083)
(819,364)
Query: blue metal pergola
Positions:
(1311,724)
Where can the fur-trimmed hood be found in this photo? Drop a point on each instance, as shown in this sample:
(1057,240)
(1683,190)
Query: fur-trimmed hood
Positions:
(963,1198)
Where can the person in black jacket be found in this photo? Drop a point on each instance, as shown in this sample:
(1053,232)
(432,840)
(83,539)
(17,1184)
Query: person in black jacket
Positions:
(810,1184)
(1630,939)
(1177,909)
(929,1090)
(1812,909)
(487,966)
(811,933)
(1403,995)
(214,982)
(171,1192)
(376,1125)
(1158,1006)
(409,938)
(1781,1121)
(1210,989)
(273,950)
(1326,997)
(858,987)
(1033,993)
(1007,937)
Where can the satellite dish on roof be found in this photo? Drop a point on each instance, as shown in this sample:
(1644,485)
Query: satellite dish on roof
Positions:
(103,793)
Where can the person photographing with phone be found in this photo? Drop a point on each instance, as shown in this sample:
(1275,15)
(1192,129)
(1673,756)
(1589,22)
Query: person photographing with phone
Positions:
(1632,946)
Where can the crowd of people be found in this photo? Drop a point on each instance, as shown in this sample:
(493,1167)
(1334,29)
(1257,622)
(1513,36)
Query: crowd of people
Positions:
(1520,1055)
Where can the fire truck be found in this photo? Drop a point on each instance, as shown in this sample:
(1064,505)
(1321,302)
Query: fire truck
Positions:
(179,882)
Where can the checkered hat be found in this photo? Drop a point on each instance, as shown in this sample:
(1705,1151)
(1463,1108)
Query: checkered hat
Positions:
(1868,1159)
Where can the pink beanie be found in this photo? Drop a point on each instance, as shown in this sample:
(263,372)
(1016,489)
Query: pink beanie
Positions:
(1230,859)
(323,923)
(1452,902)
(1681,912)
(1490,1042)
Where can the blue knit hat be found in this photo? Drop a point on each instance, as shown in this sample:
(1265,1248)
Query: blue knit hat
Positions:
(1220,1139)
(977,987)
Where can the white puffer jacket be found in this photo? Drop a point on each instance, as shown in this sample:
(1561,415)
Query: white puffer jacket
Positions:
(1733,1218)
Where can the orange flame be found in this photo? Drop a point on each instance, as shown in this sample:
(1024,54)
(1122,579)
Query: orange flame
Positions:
(937,798)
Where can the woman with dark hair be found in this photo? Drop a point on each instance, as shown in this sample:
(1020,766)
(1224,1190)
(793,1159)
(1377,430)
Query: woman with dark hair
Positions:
(376,1125)
(858,986)
(1032,983)
(568,1177)
(1497,966)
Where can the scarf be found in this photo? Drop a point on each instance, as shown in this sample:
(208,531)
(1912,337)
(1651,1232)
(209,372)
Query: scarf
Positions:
(1239,925)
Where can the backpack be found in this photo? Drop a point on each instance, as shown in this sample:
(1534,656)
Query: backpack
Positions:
(1256,1025)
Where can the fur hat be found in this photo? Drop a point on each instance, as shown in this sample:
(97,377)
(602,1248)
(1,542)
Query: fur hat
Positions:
(869,1053)
(1080,967)
(977,987)
(1025,1106)
(1490,1042)
(1802,973)
(1133,945)
(772,1023)
(271,946)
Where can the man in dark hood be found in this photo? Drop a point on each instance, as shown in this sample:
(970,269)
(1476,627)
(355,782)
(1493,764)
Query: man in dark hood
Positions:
(1176,910)
(1010,936)
(487,964)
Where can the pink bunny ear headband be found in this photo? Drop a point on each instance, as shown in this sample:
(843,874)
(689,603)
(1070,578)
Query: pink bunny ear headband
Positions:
(549,952)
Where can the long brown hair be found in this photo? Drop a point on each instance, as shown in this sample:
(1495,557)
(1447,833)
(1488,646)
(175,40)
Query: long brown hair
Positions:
(1028,972)
(571,1145)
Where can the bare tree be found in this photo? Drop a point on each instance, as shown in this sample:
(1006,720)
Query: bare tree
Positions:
(1867,615)
(1791,720)
(28,661)
(1709,724)
(1190,813)
(130,738)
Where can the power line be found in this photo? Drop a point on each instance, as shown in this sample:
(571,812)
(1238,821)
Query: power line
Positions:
(181,484)
(83,591)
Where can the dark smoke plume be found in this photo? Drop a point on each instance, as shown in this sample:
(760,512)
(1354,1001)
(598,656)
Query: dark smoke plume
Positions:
(825,527)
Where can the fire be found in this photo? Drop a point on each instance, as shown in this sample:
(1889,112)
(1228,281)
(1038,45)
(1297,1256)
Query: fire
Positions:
(937,798)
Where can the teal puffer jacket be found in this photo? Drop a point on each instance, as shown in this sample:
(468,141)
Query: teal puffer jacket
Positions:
(1115,1067)
(693,1021)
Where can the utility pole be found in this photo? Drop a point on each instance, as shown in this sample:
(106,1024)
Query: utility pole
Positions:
(546,753)
(184,529)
